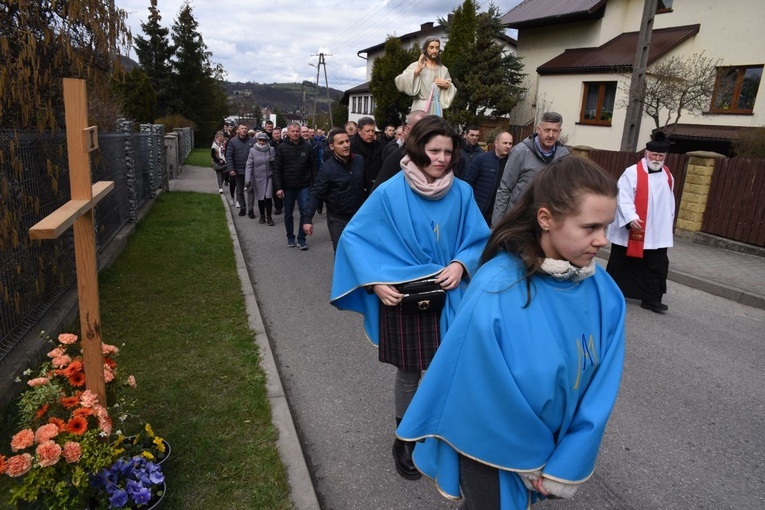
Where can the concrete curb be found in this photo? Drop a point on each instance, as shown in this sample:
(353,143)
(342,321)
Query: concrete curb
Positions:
(726,291)
(303,493)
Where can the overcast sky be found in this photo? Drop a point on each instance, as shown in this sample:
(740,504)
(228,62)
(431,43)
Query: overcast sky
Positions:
(274,41)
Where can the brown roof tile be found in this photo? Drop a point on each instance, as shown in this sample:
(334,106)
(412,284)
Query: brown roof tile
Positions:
(537,13)
(705,132)
(618,53)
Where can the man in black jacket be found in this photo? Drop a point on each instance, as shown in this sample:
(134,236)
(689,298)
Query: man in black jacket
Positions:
(340,185)
(485,171)
(294,171)
(392,158)
(364,144)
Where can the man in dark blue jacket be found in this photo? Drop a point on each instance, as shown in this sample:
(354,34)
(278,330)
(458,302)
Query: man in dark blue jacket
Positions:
(340,184)
(237,150)
(485,172)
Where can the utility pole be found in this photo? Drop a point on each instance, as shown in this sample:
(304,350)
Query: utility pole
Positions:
(322,62)
(634,111)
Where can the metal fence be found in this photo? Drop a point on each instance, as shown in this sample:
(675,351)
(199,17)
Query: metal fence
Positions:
(34,182)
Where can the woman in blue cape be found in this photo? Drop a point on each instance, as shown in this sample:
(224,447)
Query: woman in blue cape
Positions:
(515,403)
(422,223)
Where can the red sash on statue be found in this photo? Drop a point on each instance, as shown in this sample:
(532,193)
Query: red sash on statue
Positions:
(637,237)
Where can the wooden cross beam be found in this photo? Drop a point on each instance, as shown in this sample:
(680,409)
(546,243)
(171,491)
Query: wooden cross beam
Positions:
(80,141)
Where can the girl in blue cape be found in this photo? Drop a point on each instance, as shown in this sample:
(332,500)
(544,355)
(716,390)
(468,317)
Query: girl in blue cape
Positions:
(421,223)
(514,405)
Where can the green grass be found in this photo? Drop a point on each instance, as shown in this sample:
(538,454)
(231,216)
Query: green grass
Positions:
(198,157)
(173,302)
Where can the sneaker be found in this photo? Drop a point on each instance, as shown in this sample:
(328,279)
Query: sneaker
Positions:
(237,204)
(251,214)
(220,191)
(277,212)
(262,220)
(231,202)
(302,245)
(290,243)
(242,212)
(270,221)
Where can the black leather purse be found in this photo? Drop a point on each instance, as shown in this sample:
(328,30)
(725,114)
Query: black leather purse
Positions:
(422,296)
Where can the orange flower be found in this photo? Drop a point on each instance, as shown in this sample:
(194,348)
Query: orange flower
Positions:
(41,412)
(110,363)
(72,451)
(55,353)
(39,381)
(18,464)
(2,464)
(67,338)
(58,422)
(77,425)
(73,368)
(77,379)
(70,402)
(61,361)
(23,439)
(48,453)
(46,432)
(82,411)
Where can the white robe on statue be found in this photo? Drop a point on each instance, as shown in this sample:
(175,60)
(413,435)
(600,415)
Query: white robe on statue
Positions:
(661,209)
(421,86)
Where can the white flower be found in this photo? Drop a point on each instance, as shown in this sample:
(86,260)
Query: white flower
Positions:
(27,371)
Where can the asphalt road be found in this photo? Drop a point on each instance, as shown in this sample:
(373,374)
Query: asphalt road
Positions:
(686,432)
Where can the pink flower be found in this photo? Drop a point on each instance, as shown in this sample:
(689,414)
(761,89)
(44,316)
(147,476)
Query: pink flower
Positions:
(46,432)
(88,399)
(55,353)
(72,451)
(131,382)
(48,453)
(23,439)
(18,465)
(39,381)
(108,350)
(67,338)
(61,361)
(108,374)
(105,424)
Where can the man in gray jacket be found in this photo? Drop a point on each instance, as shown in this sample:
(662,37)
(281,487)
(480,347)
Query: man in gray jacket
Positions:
(526,158)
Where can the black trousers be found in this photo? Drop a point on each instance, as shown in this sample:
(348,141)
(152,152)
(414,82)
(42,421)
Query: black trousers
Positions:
(644,279)
(479,484)
(335,225)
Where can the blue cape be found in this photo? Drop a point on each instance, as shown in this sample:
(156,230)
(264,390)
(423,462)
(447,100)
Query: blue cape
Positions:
(521,389)
(399,236)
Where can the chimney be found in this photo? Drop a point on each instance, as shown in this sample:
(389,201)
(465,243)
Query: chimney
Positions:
(426,26)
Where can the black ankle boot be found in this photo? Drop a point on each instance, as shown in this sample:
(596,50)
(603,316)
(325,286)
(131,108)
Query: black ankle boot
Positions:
(402,457)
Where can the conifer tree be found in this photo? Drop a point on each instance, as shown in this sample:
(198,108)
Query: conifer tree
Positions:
(154,52)
(458,53)
(197,91)
(391,106)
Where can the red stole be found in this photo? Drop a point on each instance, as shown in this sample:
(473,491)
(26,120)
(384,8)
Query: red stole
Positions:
(637,237)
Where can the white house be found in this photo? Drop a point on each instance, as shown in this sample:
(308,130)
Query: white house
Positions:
(359,99)
(578,56)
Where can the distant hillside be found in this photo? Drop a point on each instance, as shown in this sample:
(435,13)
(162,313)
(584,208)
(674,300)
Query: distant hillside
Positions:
(287,97)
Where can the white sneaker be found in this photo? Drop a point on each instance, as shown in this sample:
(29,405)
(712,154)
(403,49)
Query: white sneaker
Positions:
(237,204)
(232,202)
(220,191)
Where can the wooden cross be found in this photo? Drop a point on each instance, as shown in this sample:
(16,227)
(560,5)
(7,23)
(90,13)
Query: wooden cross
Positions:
(81,140)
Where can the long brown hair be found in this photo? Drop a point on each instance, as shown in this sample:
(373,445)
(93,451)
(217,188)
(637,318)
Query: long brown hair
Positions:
(559,187)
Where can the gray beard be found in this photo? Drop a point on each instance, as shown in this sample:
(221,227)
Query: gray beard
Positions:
(655,165)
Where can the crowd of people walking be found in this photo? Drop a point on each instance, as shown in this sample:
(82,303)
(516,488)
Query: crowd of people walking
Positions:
(475,274)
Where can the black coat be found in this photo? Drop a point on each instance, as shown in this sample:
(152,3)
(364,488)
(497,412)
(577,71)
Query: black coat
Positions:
(237,151)
(483,175)
(372,154)
(341,186)
(294,165)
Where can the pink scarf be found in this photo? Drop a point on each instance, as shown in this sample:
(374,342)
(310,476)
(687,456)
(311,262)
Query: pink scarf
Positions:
(419,183)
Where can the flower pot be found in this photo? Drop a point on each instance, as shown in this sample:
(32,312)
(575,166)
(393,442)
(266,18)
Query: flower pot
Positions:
(157,460)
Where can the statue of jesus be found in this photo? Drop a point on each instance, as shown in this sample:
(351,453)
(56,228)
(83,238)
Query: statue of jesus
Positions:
(428,80)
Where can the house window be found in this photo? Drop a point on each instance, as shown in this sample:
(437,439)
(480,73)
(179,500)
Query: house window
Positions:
(353,107)
(366,105)
(663,6)
(736,89)
(598,103)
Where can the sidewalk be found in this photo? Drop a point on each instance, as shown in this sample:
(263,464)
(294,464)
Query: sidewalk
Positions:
(735,276)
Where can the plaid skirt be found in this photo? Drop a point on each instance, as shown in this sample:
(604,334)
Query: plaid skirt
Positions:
(408,341)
